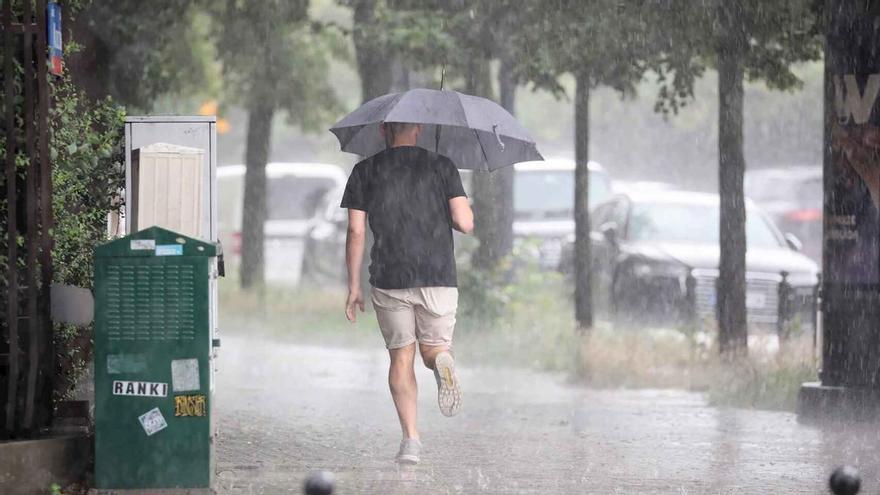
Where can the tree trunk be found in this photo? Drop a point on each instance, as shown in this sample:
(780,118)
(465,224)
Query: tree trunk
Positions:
(493,191)
(507,84)
(373,62)
(731,284)
(583,294)
(254,211)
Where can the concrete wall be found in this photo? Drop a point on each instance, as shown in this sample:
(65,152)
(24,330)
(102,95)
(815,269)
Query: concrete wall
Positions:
(32,466)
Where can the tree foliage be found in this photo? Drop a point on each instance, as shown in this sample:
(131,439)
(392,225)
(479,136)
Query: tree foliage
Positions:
(273,60)
(136,51)
(771,36)
(273,55)
(88,174)
(754,40)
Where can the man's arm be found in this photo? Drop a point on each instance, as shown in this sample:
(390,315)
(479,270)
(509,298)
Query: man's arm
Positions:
(462,216)
(354,257)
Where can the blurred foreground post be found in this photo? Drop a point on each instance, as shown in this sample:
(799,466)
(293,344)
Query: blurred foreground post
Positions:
(850,374)
(320,483)
(845,480)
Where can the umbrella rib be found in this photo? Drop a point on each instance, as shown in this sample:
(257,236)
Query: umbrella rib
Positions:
(483,150)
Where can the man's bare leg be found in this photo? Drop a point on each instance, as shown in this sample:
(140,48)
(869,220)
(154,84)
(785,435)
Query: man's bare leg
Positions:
(404,390)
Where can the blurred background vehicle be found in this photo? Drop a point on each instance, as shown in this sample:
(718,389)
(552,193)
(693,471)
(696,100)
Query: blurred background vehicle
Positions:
(325,242)
(793,197)
(655,260)
(626,187)
(543,202)
(297,196)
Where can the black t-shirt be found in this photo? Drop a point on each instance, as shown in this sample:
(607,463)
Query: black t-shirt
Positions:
(405,192)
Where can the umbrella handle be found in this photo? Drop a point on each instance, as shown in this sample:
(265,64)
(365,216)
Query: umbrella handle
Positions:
(497,137)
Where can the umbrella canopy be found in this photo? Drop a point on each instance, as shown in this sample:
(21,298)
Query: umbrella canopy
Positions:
(475,133)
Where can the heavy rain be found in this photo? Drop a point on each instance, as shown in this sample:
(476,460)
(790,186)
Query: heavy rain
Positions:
(440,246)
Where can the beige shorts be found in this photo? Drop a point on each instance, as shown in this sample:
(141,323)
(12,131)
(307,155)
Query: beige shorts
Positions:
(423,314)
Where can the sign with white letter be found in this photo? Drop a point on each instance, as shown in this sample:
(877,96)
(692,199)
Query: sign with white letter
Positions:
(140,389)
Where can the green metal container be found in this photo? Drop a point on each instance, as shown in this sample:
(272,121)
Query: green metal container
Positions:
(153,349)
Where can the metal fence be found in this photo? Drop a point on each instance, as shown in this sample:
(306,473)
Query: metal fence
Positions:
(26,344)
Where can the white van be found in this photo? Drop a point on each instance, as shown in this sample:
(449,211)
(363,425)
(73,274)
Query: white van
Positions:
(543,203)
(295,191)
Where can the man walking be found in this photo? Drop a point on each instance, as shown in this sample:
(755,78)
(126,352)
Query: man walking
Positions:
(413,198)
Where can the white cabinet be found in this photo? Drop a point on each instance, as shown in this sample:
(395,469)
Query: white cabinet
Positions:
(168,189)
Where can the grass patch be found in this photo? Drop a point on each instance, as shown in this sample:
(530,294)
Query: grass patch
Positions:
(669,359)
(307,315)
(765,383)
(528,321)
(531,328)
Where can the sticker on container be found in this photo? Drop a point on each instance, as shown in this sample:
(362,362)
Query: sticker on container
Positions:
(185,375)
(143,244)
(140,389)
(169,250)
(126,363)
(153,421)
(190,406)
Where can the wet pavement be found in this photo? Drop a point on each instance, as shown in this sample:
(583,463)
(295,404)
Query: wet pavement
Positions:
(285,411)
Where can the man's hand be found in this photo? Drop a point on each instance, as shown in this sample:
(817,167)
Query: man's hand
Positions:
(355,301)
(354,255)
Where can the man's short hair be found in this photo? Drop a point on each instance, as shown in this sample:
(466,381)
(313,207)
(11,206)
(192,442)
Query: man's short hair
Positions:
(396,128)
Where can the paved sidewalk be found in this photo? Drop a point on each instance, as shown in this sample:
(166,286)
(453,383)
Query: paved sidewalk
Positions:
(287,410)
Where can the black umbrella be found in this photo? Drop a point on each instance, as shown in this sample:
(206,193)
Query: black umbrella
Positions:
(475,133)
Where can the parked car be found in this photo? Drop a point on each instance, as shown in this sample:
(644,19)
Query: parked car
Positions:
(325,242)
(793,197)
(626,187)
(543,202)
(294,193)
(655,259)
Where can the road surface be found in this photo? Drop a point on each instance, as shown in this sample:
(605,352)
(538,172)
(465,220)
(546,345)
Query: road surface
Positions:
(285,411)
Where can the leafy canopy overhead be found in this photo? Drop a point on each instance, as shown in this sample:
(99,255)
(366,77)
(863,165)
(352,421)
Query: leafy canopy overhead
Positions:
(272,56)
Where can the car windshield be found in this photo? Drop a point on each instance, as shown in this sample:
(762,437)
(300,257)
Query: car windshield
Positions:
(693,223)
(804,192)
(540,194)
(295,198)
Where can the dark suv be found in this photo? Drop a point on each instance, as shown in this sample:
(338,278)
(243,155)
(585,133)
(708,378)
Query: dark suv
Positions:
(655,260)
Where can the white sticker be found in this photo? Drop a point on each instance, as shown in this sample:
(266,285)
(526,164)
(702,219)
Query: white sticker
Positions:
(169,250)
(185,375)
(153,421)
(140,389)
(143,244)
(126,363)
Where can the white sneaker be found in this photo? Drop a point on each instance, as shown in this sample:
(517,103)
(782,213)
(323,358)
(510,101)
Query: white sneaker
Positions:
(448,390)
(410,449)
